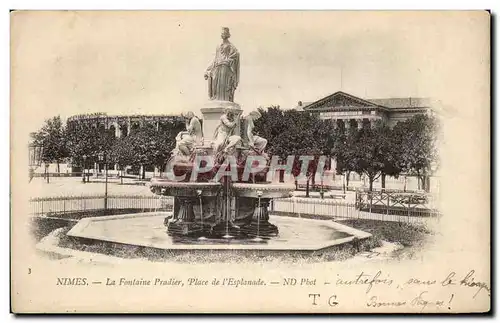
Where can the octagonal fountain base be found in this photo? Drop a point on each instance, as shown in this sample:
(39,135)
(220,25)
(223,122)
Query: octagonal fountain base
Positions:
(225,211)
(147,230)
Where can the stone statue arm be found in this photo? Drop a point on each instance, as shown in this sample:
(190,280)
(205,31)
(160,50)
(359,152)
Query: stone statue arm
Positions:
(225,120)
(180,134)
(211,66)
(191,126)
(249,132)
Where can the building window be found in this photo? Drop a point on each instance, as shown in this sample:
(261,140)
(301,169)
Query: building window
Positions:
(112,131)
(124,130)
(340,124)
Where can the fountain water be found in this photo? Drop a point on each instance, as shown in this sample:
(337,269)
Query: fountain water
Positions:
(258,238)
(227,209)
(202,237)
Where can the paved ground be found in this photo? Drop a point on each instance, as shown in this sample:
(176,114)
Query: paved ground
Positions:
(72,186)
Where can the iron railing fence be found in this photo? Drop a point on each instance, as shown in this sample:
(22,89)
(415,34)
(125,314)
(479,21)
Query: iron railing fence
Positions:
(327,208)
(414,203)
(54,174)
(87,203)
(314,206)
(300,207)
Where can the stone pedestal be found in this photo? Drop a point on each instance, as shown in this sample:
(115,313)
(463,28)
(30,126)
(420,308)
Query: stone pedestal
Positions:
(212,111)
(183,222)
(259,225)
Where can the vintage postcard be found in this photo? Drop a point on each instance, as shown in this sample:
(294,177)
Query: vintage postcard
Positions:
(250,162)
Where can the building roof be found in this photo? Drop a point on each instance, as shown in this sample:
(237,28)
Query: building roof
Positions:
(397,103)
(342,96)
(386,103)
(92,116)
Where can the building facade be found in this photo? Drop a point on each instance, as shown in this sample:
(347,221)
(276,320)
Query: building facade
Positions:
(347,110)
(121,125)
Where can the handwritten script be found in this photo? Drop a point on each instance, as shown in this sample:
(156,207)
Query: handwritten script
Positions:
(376,289)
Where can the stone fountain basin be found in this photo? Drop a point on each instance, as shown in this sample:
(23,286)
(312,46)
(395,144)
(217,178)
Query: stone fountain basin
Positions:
(147,230)
(266,190)
(171,188)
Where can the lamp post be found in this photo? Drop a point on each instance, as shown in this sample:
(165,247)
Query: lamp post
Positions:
(83,169)
(322,192)
(344,181)
(35,157)
(47,173)
(102,157)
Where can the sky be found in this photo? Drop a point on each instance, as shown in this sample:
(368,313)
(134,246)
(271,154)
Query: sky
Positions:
(67,63)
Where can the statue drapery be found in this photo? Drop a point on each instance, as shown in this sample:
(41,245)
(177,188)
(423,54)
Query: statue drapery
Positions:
(224,73)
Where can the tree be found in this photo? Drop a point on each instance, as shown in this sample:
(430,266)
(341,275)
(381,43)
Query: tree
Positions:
(270,125)
(296,133)
(51,137)
(121,153)
(344,150)
(148,146)
(373,152)
(86,141)
(390,152)
(141,145)
(419,153)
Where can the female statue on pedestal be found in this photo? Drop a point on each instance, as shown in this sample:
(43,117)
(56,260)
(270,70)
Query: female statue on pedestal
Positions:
(255,142)
(186,140)
(223,74)
(224,138)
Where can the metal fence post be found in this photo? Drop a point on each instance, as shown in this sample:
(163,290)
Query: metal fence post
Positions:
(371,200)
(388,203)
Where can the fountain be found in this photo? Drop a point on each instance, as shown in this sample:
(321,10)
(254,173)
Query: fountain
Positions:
(226,206)
(221,181)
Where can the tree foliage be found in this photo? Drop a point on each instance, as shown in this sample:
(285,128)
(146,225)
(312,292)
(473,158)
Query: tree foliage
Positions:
(147,146)
(418,146)
(377,151)
(410,147)
(86,141)
(53,140)
(344,150)
(296,133)
(291,132)
(374,153)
